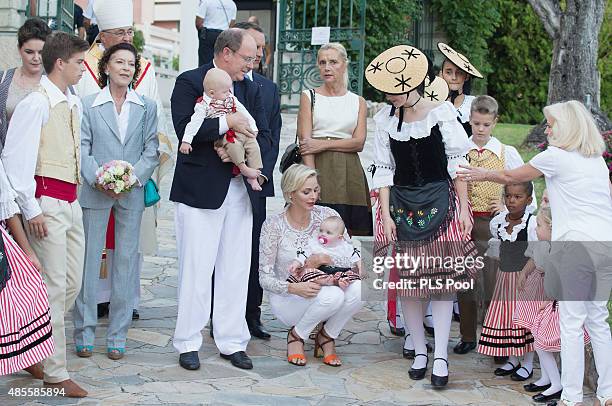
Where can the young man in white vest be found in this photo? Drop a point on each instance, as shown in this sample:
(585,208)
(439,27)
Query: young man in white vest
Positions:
(114,19)
(42,161)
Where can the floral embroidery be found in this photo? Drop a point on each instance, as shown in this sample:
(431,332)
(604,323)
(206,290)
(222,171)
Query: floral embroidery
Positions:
(421,219)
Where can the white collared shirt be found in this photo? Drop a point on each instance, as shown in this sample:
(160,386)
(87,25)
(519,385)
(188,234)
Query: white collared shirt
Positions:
(217,14)
(123,117)
(20,151)
(512,159)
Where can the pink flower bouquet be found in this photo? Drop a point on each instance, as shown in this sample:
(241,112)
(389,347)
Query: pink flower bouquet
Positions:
(116,176)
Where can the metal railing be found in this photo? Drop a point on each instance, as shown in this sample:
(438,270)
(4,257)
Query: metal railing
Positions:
(59,14)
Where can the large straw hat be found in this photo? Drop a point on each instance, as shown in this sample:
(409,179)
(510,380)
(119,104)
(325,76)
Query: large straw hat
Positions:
(398,70)
(436,90)
(459,59)
(113,14)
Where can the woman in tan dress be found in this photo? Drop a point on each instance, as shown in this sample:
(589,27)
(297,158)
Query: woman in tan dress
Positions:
(331,135)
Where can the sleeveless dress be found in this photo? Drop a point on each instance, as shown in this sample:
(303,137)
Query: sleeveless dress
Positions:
(342,179)
(418,161)
(500,336)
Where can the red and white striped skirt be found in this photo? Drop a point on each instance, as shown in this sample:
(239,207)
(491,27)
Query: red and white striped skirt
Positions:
(500,337)
(530,300)
(25,325)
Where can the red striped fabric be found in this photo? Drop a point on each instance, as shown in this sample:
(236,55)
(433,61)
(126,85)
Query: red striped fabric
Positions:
(500,336)
(25,325)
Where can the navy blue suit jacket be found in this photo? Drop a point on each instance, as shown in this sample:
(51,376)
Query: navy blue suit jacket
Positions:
(271,101)
(201,179)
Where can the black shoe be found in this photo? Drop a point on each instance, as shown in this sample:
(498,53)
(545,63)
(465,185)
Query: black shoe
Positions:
(541,398)
(500,360)
(135,315)
(239,359)
(531,387)
(189,360)
(506,372)
(519,378)
(257,330)
(400,332)
(103,309)
(410,354)
(463,347)
(418,374)
(439,381)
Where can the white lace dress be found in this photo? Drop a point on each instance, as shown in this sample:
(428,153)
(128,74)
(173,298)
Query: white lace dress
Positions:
(279,244)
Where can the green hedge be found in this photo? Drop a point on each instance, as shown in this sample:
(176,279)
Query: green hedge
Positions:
(520,54)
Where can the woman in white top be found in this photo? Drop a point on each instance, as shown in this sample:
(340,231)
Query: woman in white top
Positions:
(580,195)
(331,135)
(302,305)
(457,71)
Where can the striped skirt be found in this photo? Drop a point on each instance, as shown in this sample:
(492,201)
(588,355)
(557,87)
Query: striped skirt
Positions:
(25,325)
(500,336)
(431,281)
(529,301)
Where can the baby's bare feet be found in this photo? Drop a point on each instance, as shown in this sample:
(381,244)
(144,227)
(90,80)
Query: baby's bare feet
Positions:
(185,148)
(248,172)
(254,184)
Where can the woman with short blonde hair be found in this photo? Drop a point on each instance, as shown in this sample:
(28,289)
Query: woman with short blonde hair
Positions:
(302,305)
(580,196)
(332,131)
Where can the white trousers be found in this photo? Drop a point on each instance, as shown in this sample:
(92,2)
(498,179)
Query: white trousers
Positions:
(332,305)
(572,316)
(220,240)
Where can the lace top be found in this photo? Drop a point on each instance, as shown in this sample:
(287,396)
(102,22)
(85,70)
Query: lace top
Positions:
(441,122)
(279,244)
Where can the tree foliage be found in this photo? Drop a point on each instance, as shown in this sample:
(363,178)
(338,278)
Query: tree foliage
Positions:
(605,61)
(520,55)
(138,41)
(469,24)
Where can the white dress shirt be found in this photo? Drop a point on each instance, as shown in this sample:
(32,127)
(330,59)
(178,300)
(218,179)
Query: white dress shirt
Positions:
(512,159)
(89,13)
(123,117)
(20,151)
(217,14)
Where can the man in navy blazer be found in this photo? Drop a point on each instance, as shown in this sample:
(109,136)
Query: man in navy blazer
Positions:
(271,100)
(214,211)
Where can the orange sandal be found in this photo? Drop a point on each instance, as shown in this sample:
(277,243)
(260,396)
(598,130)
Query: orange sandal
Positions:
(295,358)
(318,351)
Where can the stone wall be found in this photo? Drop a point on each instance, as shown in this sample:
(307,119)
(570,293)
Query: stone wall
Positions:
(12,16)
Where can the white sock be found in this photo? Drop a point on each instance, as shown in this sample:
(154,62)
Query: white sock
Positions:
(511,364)
(428,317)
(442,317)
(408,344)
(544,379)
(413,317)
(526,364)
(549,364)
(456,307)
(399,318)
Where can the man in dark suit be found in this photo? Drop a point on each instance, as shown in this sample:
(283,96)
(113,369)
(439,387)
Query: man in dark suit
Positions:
(271,101)
(214,211)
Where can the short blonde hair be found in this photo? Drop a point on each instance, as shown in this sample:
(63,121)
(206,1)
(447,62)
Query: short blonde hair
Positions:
(294,178)
(574,129)
(485,105)
(341,50)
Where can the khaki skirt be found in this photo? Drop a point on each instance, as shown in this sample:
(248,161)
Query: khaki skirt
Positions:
(342,179)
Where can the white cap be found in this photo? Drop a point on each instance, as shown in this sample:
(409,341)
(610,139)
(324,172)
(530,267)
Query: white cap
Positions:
(113,14)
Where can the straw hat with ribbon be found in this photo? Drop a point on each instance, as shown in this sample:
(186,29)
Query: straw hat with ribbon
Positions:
(459,59)
(397,70)
(436,90)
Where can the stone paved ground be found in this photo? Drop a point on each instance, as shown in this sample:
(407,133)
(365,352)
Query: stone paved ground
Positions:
(373,373)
